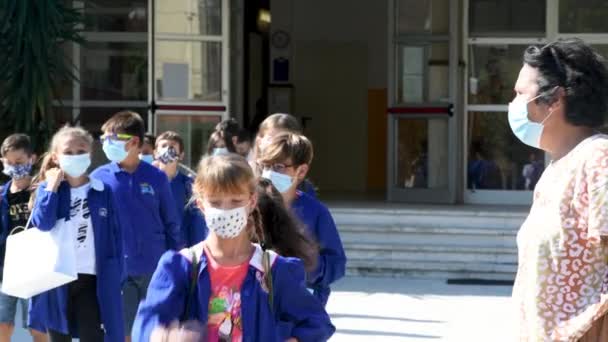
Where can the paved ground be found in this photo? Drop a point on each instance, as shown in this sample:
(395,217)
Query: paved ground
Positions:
(380,309)
(387,309)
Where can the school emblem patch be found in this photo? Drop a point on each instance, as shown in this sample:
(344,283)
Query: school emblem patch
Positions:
(146,189)
(103,212)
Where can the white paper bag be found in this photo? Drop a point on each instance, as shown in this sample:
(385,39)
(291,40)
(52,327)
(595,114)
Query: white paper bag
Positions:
(38,261)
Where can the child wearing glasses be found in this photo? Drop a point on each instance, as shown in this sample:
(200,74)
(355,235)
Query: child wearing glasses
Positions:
(146,209)
(285,161)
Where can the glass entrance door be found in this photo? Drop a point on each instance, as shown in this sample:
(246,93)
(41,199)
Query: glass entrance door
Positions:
(422,98)
(190,69)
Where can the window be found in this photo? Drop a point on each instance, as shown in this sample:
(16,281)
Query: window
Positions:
(583,16)
(507,18)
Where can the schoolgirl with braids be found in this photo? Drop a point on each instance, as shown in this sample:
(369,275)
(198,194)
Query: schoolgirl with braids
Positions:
(234,288)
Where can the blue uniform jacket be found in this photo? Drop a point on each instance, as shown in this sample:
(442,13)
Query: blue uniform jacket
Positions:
(293,306)
(147,214)
(50,308)
(4,222)
(192,225)
(332,260)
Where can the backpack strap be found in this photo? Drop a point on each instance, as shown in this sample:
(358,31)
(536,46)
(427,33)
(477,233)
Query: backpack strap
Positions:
(193,256)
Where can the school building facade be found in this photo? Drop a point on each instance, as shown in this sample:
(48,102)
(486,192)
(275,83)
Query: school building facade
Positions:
(405,100)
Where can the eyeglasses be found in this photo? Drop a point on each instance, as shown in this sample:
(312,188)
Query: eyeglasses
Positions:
(115,137)
(278,167)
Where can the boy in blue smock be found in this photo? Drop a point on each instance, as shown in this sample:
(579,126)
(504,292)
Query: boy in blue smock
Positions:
(285,160)
(146,209)
(169,151)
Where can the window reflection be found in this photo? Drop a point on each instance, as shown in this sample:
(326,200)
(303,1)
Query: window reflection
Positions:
(497,159)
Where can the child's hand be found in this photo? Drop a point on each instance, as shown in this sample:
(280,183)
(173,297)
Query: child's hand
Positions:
(54,177)
(175,333)
(293,339)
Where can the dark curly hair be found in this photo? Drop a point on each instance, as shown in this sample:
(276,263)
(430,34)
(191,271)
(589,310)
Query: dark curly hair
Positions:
(283,233)
(574,66)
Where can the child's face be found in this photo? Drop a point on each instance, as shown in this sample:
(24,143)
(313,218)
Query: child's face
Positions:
(161,150)
(71,146)
(163,144)
(131,142)
(287,167)
(243,148)
(229,201)
(17,157)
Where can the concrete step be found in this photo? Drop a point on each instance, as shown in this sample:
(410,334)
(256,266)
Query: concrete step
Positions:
(435,253)
(439,218)
(447,241)
(496,237)
(443,269)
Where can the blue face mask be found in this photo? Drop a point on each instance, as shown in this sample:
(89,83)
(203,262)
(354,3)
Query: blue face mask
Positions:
(220,151)
(115,150)
(76,165)
(18,171)
(280,181)
(525,130)
(148,158)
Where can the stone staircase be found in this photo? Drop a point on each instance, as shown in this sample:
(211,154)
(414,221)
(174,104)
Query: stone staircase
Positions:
(463,242)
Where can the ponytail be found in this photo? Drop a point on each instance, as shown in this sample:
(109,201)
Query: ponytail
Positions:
(280,230)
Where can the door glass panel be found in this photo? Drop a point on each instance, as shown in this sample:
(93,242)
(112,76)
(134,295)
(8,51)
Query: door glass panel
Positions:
(583,16)
(423,72)
(114,71)
(422,16)
(190,17)
(116,15)
(189,70)
(493,71)
(194,129)
(422,148)
(507,18)
(497,159)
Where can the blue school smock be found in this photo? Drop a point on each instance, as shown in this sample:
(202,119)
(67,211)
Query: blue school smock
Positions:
(5,222)
(332,259)
(308,188)
(50,308)
(147,214)
(293,304)
(193,226)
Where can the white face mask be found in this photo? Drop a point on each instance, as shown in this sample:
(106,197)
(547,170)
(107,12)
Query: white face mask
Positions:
(226,224)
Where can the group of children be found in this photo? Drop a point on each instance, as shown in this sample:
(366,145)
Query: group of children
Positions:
(242,252)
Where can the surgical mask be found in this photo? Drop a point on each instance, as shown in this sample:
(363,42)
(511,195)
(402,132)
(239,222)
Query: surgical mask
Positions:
(220,151)
(527,131)
(18,171)
(167,155)
(115,150)
(148,158)
(75,165)
(226,224)
(280,181)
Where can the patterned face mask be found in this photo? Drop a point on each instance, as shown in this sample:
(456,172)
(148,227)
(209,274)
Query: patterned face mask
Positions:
(167,155)
(18,171)
(226,224)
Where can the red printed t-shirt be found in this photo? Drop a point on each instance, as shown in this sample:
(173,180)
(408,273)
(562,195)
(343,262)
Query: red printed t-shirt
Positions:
(224,319)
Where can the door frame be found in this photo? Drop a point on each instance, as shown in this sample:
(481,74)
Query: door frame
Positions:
(424,195)
(188,107)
